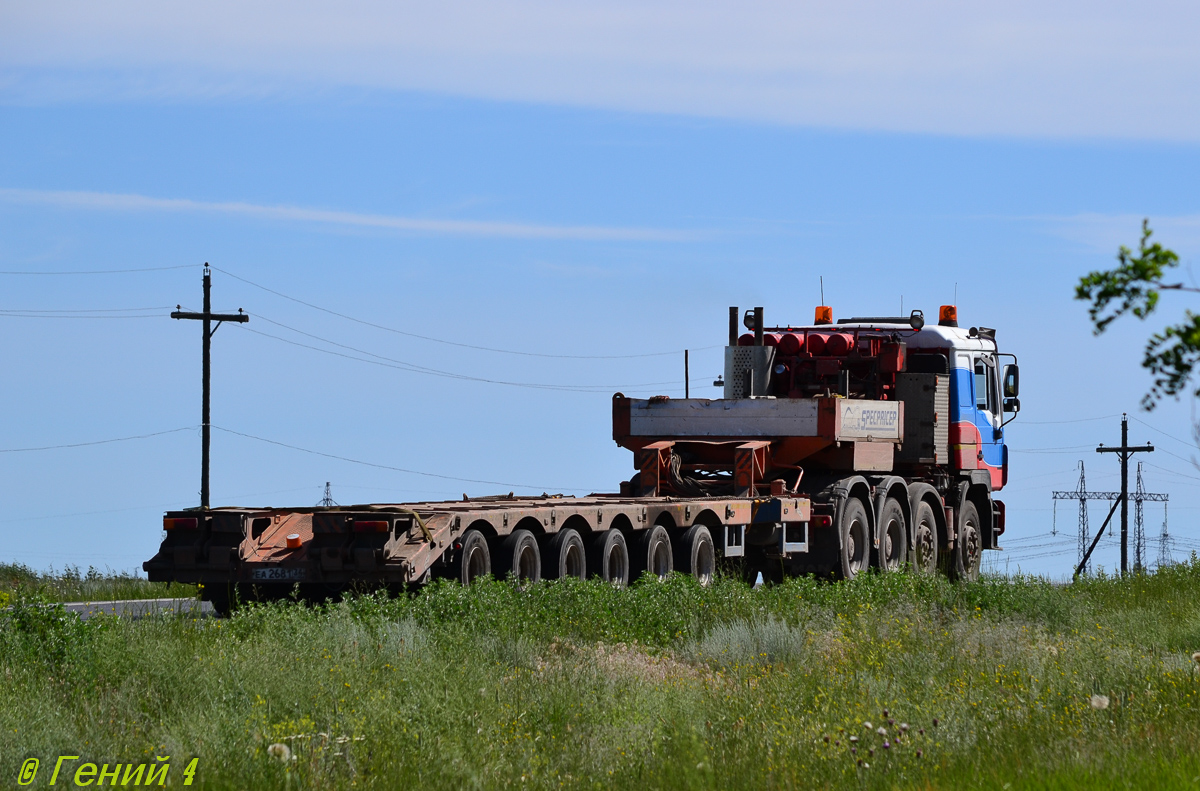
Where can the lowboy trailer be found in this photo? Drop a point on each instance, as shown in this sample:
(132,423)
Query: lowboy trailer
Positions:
(872,442)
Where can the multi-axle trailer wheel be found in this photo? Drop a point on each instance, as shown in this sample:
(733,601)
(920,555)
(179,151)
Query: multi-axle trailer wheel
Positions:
(608,555)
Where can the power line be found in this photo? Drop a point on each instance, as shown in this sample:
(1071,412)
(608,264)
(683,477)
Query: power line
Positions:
(85,310)
(1165,434)
(99,441)
(15,315)
(1060,422)
(388,362)
(431,339)
(102,271)
(395,469)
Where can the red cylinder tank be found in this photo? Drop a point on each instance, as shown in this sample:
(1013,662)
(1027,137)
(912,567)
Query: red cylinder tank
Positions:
(791,344)
(769,339)
(839,344)
(815,342)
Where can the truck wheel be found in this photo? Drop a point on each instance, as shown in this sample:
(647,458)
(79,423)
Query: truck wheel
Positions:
(966,554)
(925,540)
(474,558)
(564,556)
(893,538)
(855,550)
(220,598)
(608,558)
(696,555)
(653,553)
(520,557)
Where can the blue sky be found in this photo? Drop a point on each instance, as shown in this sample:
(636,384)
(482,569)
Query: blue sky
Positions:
(593,187)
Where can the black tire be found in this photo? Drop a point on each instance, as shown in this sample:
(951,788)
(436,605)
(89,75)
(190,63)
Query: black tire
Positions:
(854,552)
(653,553)
(892,552)
(967,553)
(472,558)
(564,556)
(519,556)
(925,540)
(608,558)
(220,596)
(697,555)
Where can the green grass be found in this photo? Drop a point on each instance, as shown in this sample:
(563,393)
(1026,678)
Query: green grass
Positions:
(664,685)
(19,582)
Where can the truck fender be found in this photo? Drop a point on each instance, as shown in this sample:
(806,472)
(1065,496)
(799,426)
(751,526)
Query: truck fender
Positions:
(891,486)
(980,494)
(841,491)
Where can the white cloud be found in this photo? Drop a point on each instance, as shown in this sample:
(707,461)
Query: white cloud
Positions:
(135,203)
(1065,68)
(1104,233)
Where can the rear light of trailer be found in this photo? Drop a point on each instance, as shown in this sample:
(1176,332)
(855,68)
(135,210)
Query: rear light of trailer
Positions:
(371,526)
(173,523)
(822,520)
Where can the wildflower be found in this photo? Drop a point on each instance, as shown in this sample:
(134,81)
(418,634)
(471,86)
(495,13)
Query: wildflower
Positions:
(904,726)
(871,753)
(280,751)
(920,731)
(868,725)
(1196,657)
(919,753)
(882,731)
(891,722)
(1100,702)
(853,738)
(886,746)
(854,751)
(935,722)
(885,713)
(827,739)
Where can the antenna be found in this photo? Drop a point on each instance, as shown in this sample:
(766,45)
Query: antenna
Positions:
(955,292)
(327,500)
(822,289)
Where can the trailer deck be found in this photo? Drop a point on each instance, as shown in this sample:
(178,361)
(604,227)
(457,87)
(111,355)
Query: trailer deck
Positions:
(402,543)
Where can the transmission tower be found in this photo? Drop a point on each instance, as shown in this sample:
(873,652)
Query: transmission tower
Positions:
(1140,496)
(1164,543)
(327,500)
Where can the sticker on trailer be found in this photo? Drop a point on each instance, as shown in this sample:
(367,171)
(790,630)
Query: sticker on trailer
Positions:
(278,574)
(873,419)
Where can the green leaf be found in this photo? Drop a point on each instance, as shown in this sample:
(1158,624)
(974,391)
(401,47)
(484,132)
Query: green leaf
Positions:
(1130,288)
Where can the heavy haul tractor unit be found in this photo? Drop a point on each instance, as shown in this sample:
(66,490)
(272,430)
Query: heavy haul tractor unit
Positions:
(836,447)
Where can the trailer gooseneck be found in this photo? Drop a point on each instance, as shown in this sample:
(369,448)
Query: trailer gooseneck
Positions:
(836,447)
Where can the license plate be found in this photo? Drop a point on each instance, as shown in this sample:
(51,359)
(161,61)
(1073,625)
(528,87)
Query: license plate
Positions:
(274,573)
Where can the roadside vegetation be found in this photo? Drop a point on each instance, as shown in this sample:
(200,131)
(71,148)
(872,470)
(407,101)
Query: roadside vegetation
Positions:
(19,582)
(889,681)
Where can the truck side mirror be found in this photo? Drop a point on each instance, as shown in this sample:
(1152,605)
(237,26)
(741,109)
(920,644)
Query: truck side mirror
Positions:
(1012,383)
(1012,405)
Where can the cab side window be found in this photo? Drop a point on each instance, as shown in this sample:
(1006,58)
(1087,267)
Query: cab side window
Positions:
(985,385)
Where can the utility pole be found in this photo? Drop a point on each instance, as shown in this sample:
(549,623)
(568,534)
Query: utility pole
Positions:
(207,317)
(687,379)
(1124,453)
